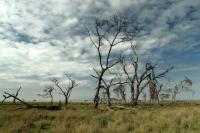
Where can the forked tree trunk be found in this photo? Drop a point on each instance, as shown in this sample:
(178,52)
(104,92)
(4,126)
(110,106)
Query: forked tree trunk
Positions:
(135,100)
(132,95)
(96,98)
(66,100)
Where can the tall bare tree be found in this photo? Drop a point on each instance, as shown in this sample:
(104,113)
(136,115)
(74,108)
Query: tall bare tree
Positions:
(65,89)
(48,92)
(139,80)
(107,34)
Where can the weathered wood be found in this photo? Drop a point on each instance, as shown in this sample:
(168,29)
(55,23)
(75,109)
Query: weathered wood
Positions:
(28,105)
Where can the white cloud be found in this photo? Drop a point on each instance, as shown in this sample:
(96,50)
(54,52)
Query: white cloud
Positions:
(42,39)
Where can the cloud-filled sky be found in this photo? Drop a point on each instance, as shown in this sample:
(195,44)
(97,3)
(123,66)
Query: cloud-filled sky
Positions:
(44,39)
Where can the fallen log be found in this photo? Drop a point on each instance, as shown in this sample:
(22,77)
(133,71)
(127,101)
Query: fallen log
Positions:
(30,106)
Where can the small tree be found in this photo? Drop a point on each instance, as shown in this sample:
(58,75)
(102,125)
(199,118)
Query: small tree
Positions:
(177,88)
(48,92)
(119,90)
(107,34)
(107,87)
(66,89)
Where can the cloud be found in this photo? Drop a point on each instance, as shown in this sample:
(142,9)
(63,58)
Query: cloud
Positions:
(43,39)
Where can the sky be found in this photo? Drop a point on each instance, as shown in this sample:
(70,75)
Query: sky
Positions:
(44,39)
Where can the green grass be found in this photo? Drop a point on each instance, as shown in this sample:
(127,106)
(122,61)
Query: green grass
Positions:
(181,117)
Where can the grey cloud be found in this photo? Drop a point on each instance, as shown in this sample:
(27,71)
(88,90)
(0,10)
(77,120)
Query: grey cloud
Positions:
(40,39)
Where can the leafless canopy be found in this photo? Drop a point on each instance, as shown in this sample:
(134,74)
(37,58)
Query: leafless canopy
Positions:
(48,92)
(8,96)
(65,89)
(174,88)
(139,80)
(107,34)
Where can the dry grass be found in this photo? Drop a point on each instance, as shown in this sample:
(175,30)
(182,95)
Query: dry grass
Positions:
(182,117)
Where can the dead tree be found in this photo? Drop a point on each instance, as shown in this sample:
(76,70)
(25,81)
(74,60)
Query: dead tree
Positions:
(139,80)
(107,34)
(48,92)
(177,88)
(154,86)
(165,91)
(107,90)
(16,95)
(153,89)
(119,90)
(66,89)
(158,91)
(107,85)
(28,105)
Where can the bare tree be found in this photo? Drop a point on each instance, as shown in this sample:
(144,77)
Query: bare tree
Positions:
(107,34)
(66,89)
(119,90)
(177,88)
(153,92)
(103,96)
(139,80)
(8,95)
(107,87)
(154,86)
(16,95)
(48,92)
(165,90)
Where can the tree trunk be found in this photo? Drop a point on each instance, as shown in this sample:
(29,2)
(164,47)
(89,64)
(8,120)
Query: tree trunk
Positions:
(51,99)
(96,98)
(173,97)
(135,102)
(132,95)
(153,90)
(157,95)
(66,100)
(108,96)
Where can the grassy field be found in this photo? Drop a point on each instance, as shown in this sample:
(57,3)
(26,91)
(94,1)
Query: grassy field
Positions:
(181,117)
